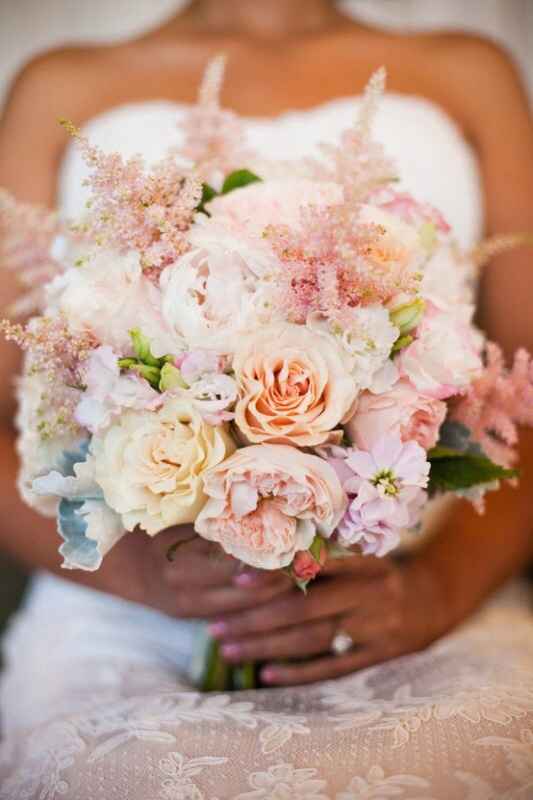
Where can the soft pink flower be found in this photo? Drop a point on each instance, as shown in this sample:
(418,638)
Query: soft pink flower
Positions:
(275,202)
(268,502)
(295,387)
(386,491)
(108,393)
(196,363)
(305,567)
(445,357)
(402,410)
(409,210)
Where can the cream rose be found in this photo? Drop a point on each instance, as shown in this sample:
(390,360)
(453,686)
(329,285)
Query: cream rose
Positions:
(266,502)
(295,387)
(150,464)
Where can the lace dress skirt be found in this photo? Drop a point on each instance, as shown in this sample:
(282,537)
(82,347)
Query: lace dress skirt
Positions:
(97,706)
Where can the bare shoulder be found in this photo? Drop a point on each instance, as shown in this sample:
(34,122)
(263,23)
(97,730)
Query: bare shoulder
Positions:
(57,82)
(478,80)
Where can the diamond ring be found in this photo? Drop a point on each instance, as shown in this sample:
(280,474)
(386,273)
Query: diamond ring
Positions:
(341,643)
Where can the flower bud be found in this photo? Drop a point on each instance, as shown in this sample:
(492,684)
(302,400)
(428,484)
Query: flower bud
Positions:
(308,563)
(408,316)
(141,347)
(171,378)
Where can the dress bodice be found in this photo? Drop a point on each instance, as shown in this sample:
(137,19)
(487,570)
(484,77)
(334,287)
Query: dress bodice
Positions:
(435,161)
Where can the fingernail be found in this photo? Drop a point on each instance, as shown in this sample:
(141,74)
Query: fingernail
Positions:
(232,651)
(217,629)
(268,675)
(246,579)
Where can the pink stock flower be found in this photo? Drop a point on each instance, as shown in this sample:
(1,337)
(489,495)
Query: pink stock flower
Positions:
(108,393)
(402,410)
(268,502)
(386,493)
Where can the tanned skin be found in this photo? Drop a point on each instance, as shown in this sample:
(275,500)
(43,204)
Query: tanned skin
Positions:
(298,55)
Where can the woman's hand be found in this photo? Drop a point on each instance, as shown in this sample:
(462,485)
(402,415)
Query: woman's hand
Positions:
(200,582)
(388,609)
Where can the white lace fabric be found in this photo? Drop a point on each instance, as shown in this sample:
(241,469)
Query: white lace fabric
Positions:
(95,700)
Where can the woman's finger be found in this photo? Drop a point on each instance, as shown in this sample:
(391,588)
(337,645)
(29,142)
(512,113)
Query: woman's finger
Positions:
(305,640)
(319,669)
(293,608)
(224,599)
(356,565)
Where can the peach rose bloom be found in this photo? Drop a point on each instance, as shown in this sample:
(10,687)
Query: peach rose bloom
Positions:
(267,502)
(401,410)
(294,385)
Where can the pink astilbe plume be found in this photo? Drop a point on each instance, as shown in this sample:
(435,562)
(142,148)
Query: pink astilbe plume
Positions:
(59,355)
(215,138)
(497,403)
(333,262)
(358,162)
(330,268)
(27,235)
(136,208)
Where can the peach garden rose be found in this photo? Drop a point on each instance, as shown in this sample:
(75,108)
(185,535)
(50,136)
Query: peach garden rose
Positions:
(268,502)
(295,387)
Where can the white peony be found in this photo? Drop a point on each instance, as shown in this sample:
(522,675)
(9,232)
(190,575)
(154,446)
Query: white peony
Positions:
(220,288)
(109,295)
(150,464)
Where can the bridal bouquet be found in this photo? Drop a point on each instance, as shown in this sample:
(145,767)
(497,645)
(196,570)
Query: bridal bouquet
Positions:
(282,354)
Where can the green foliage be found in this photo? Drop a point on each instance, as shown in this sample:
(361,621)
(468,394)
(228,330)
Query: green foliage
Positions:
(238,179)
(452,470)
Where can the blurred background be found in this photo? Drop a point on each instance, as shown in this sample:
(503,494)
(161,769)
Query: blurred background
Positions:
(30,26)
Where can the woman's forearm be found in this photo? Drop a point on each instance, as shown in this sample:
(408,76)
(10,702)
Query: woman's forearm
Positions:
(473,554)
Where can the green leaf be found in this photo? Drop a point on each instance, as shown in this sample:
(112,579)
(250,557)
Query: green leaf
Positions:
(452,471)
(141,347)
(239,179)
(317,545)
(208,193)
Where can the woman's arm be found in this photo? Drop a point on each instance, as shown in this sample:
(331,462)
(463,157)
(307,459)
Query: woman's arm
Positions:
(404,607)
(31,144)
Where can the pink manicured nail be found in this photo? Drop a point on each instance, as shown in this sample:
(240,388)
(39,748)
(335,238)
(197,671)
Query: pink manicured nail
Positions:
(217,629)
(231,651)
(245,579)
(268,675)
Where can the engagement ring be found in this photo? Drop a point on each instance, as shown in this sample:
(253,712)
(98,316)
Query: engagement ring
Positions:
(342,643)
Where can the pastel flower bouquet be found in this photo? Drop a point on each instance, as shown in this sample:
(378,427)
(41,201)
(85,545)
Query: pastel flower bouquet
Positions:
(282,354)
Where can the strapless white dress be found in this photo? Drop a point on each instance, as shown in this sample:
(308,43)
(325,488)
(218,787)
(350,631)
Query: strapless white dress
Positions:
(95,700)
